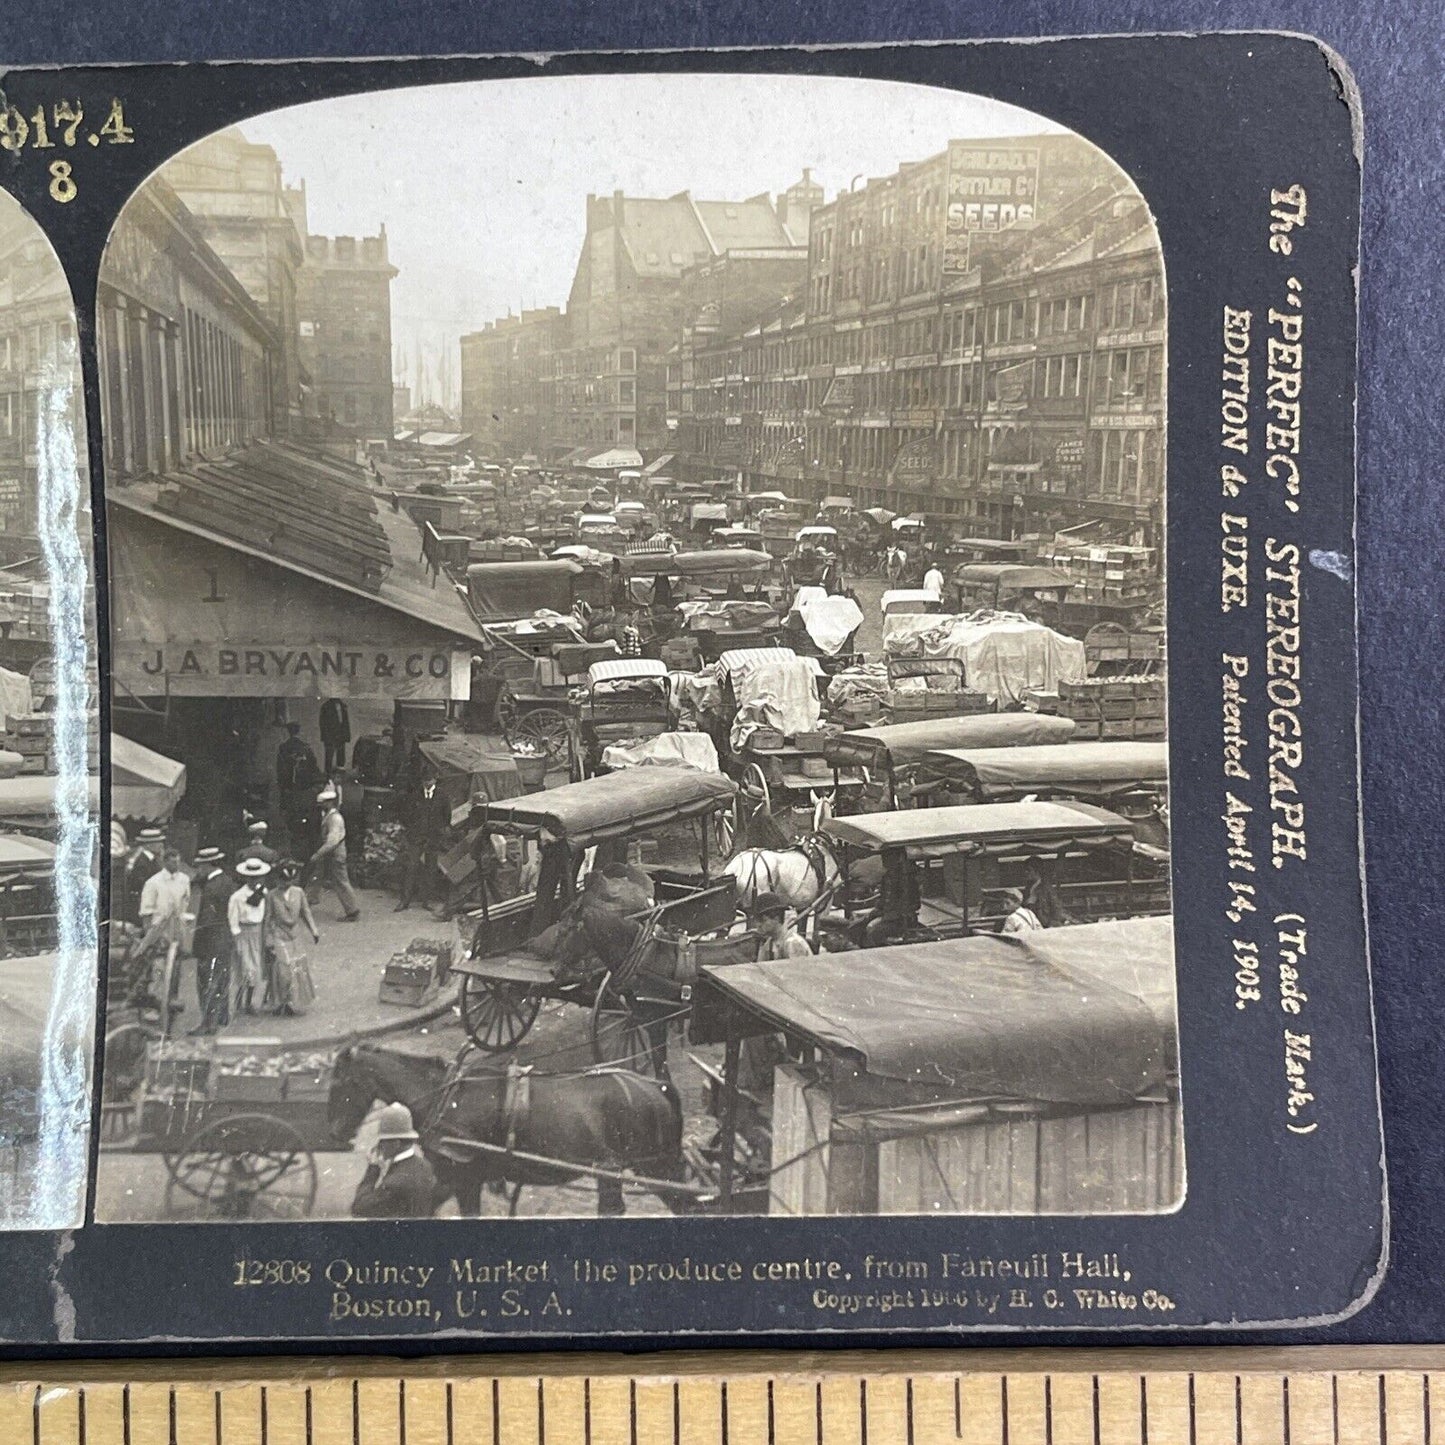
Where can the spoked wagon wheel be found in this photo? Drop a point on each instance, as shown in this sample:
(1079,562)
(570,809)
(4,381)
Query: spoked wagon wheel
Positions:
(755,799)
(242,1166)
(122,1085)
(726,826)
(497,1012)
(619,1036)
(549,729)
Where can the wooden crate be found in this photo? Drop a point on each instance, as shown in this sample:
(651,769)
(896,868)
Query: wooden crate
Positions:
(1108,1161)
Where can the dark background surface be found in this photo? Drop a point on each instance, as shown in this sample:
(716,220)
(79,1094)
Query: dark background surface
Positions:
(1395,52)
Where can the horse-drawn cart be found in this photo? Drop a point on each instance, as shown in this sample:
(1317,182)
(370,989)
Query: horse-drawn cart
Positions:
(238,1124)
(1030,1075)
(612,945)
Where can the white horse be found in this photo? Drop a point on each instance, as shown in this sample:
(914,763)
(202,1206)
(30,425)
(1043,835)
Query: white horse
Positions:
(895,563)
(799,875)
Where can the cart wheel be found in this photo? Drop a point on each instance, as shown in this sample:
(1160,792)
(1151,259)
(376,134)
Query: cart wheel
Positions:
(122,1082)
(755,797)
(242,1166)
(618,1035)
(497,1013)
(725,829)
(547,727)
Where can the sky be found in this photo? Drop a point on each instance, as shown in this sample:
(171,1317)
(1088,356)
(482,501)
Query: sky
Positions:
(482,186)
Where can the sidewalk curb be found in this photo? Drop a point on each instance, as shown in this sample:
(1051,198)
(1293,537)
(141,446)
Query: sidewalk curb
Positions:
(375,1031)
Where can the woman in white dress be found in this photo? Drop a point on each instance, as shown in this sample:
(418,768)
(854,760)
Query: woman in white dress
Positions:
(246,916)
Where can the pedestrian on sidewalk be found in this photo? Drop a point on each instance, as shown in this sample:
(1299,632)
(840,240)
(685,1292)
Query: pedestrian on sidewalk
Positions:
(256,844)
(328,862)
(287,909)
(335,726)
(297,773)
(246,919)
(211,942)
(425,820)
(164,905)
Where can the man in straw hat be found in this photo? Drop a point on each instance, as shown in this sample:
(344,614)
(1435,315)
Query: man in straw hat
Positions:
(256,844)
(329,860)
(211,941)
(398,1183)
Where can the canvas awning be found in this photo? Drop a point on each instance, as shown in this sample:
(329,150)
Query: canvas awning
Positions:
(614,459)
(144,785)
(657,464)
(1072,1016)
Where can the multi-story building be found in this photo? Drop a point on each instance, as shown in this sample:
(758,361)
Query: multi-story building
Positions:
(37,341)
(629,299)
(981,336)
(508,385)
(344,308)
(233,189)
(187,358)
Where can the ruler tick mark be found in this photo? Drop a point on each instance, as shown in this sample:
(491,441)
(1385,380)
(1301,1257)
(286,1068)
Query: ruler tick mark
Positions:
(908,1407)
(356,1412)
(958,1406)
(818,1413)
(1144,1412)
(1238,1411)
(80,1415)
(1335,1408)
(676,1413)
(1425,1406)
(1193,1416)
(541,1413)
(863,1412)
(586,1412)
(265,1420)
(401,1412)
(1384,1419)
(1284,1406)
(632,1411)
(216,1414)
(723,1412)
(35,1416)
(171,1413)
(772,1419)
(308,1415)
(1097,1435)
(1003,1405)
(497,1413)
(1048,1410)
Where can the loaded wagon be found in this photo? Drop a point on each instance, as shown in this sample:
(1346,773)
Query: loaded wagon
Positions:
(519,955)
(238,1123)
(948,871)
(904,756)
(1029,1075)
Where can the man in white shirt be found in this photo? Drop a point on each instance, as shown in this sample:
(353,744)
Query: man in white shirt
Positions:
(164,902)
(329,860)
(933,580)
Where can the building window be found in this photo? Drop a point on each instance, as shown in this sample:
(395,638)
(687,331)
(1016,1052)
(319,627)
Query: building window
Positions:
(7,415)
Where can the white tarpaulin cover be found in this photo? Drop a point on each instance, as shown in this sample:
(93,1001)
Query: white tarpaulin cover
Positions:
(1003,654)
(684,750)
(15,696)
(774,691)
(830,621)
(143,784)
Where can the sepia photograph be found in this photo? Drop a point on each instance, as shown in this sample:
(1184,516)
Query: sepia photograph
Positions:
(50,749)
(637,673)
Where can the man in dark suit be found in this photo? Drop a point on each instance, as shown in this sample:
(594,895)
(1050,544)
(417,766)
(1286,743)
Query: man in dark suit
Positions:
(335,734)
(211,889)
(141,863)
(425,820)
(297,777)
(398,1183)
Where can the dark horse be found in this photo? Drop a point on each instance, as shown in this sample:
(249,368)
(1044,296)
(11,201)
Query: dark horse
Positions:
(607,1119)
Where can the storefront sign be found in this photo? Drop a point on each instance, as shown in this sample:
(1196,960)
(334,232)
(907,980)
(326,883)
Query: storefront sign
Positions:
(209,669)
(990,189)
(916,463)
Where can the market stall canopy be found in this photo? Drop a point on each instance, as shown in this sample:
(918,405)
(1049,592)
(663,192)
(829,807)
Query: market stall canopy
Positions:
(615,805)
(614,460)
(333,599)
(1008,577)
(902,524)
(144,785)
(985,829)
(914,742)
(721,563)
(657,464)
(672,750)
(1081,1016)
(708,512)
(1094,766)
(780,497)
(29,800)
(509,591)
(881,515)
(819,534)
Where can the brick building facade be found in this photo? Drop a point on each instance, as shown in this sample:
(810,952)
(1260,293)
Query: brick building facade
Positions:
(344,326)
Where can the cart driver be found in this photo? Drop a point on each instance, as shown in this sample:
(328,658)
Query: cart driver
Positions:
(780,938)
(398,1183)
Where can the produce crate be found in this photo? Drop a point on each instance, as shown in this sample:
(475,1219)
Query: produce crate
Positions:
(412,978)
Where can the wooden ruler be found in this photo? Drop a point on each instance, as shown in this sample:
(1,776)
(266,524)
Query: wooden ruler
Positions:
(1040,1397)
